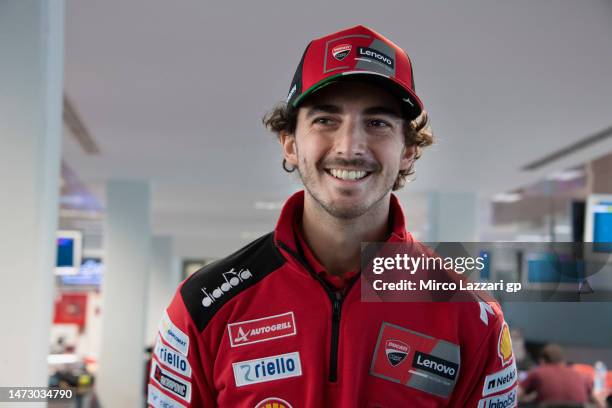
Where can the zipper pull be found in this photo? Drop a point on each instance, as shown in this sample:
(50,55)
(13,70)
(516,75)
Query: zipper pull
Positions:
(336,306)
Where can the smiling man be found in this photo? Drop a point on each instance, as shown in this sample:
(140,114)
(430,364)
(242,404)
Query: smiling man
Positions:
(280,322)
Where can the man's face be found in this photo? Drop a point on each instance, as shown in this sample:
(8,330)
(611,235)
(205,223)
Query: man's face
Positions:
(348,147)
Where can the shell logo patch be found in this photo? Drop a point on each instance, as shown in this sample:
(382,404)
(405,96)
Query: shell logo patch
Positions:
(504,345)
(273,403)
(341,51)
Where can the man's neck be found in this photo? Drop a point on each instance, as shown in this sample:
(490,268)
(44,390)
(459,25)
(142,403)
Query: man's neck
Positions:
(336,242)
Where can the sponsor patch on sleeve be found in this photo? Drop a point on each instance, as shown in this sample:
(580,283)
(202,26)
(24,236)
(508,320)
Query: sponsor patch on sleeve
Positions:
(416,360)
(500,381)
(170,382)
(504,345)
(171,359)
(158,399)
(262,329)
(173,335)
(507,400)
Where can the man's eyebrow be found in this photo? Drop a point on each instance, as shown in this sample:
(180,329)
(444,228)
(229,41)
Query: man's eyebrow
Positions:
(382,110)
(315,109)
(333,109)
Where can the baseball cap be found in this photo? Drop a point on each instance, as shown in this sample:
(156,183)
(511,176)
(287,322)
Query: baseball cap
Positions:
(357,53)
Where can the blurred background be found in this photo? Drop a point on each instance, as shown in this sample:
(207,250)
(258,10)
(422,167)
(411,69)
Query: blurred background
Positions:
(132,153)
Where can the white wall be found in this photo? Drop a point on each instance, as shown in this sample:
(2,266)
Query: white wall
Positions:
(31,84)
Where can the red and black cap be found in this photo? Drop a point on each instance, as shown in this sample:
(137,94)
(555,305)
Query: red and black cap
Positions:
(357,53)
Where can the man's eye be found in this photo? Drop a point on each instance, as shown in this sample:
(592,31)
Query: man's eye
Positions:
(378,123)
(323,121)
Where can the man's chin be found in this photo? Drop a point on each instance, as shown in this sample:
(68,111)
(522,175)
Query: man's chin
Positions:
(346,212)
(346,205)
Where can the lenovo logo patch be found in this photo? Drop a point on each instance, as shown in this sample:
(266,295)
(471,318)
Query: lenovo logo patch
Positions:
(435,365)
(374,55)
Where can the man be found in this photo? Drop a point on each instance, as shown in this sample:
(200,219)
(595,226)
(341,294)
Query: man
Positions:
(280,323)
(554,381)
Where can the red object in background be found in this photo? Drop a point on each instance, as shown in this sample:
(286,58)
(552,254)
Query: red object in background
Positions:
(589,371)
(71,309)
(585,369)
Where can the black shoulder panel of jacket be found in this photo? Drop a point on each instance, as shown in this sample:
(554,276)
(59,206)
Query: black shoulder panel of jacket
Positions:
(207,290)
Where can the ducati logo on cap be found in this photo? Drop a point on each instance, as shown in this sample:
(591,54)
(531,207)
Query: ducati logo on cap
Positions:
(341,51)
(396,351)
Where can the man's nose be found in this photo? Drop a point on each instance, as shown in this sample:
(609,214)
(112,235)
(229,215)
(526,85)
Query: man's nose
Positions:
(350,140)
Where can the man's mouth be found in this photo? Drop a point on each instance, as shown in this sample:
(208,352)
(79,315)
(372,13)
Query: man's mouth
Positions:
(350,175)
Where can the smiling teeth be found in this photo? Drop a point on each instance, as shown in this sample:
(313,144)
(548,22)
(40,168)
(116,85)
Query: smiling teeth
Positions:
(348,174)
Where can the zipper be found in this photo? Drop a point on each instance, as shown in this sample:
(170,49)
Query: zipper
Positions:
(335,337)
(336,299)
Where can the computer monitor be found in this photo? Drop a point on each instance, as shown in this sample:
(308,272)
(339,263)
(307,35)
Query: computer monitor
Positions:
(90,274)
(553,268)
(69,252)
(598,222)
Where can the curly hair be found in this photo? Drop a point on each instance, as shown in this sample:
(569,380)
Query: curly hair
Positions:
(417,132)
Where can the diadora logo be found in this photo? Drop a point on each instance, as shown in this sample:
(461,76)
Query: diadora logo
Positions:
(173,335)
(171,359)
(264,329)
(341,51)
(435,365)
(232,279)
(500,380)
(375,55)
(273,403)
(170,382)
(267,369)
(396,351)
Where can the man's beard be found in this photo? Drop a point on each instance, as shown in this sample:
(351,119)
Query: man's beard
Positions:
(345,213)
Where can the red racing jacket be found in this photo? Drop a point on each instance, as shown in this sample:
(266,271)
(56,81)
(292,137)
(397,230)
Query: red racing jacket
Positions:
(261,329)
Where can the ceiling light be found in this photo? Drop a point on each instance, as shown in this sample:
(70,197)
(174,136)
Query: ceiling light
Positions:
(566,175)
(507,197)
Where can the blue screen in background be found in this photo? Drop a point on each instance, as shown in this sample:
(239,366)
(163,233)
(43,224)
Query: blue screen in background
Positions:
(551,268)
(90,274)
(65,252)
(602,232)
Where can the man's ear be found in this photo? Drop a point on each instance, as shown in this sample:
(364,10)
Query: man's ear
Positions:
(408,157)
(287,141)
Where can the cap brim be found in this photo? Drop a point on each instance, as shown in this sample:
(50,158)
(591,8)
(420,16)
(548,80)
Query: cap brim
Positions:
(411,104)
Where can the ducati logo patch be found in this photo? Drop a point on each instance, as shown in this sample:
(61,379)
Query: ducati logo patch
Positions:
(396,351)
(341,51)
